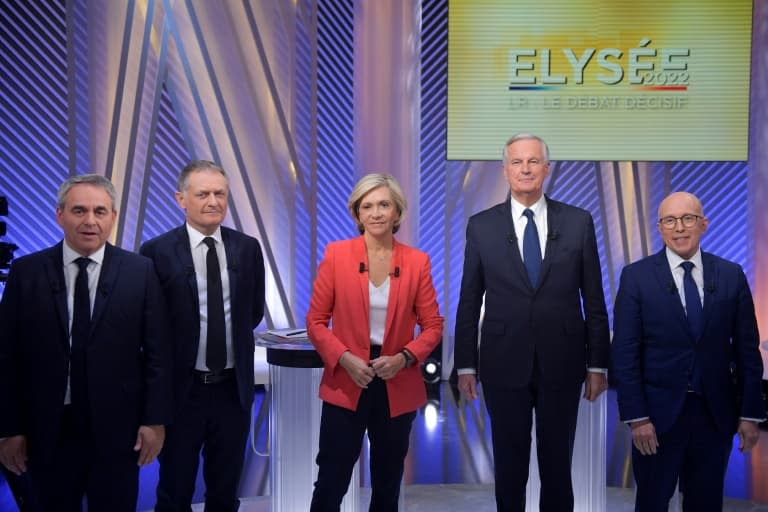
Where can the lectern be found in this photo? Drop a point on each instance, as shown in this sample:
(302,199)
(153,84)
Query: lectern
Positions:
(295,369)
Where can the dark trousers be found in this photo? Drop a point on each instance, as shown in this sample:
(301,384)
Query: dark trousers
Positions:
(80,468)
(693,451)
(511,414)
(341,436)
(213,420)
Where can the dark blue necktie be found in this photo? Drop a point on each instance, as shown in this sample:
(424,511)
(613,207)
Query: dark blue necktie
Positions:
(692,300)
(81,327)
(216,348)
(531,248)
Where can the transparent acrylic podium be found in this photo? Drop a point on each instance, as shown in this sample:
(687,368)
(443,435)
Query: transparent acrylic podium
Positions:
(294,426)
(588,467)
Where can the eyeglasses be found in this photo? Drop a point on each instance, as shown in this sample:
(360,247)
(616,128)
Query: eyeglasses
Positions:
(689,220)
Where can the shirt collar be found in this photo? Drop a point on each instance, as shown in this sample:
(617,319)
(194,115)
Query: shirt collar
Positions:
(196,237)
(537,208)
(70,255)
(675,260)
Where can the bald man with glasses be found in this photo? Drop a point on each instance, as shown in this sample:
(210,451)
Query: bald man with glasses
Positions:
(686,363)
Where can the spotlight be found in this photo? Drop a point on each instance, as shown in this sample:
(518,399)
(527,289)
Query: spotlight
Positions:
(431,414)
(430,370)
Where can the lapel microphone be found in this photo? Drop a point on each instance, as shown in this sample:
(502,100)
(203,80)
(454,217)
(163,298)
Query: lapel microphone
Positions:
(190,270)
(672,288)
(361,268)
(553,235)
(711,288)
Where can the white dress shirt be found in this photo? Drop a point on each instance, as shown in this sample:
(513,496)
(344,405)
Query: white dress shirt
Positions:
(70,276)
(539,209)
(199,253)
(678,272)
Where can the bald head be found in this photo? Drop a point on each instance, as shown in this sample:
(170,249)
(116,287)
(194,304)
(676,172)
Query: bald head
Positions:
(677,200)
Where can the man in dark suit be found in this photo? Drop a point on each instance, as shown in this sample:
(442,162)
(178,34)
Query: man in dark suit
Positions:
(84,365)
(535,261)
(213,280)
(686,363)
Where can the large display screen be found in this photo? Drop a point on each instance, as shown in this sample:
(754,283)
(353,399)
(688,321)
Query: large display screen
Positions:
(600,80)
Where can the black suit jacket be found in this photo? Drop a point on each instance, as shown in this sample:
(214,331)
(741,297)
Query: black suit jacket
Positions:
(172,255)
(655,354)
(522,320)
(127,356)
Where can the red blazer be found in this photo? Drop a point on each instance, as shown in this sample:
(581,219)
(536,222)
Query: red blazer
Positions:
(341,294)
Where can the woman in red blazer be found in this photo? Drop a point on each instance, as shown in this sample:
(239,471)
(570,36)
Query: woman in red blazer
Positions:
(373,290)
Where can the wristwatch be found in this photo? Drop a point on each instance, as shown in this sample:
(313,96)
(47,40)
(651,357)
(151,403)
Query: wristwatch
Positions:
(409,359)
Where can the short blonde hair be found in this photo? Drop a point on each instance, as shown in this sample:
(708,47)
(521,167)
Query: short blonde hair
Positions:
(370,182)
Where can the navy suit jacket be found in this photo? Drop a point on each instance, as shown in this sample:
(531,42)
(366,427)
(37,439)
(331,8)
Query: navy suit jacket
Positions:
(172,255)
(524,320)
(654,352)
(127,356)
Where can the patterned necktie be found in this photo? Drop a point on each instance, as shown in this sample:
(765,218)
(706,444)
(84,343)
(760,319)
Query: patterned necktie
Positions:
(81,327)
(531,248)
(692,300)
(216,350)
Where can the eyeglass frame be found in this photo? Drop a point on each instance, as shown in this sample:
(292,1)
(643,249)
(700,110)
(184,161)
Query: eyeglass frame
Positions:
(665,222)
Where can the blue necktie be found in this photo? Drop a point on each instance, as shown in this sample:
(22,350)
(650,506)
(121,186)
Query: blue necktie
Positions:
(531,248)
(692,300)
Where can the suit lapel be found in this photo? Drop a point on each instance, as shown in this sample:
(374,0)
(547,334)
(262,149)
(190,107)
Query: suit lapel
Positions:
(554,227)
(667,283)
(54,268)
(360,255)
(394,287)
(184,254)
(507,226)
(711,275)
(110,269)
(232,250)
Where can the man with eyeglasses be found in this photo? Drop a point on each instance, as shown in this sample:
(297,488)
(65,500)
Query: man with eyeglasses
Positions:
(686,363)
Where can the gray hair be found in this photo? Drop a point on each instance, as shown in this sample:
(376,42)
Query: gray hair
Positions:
(370,182)
(525,136)
(182,183)
(96,180)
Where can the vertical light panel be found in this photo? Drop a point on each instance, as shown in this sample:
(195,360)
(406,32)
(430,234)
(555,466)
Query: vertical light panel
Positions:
(335,120)
(432,164)
(33,119)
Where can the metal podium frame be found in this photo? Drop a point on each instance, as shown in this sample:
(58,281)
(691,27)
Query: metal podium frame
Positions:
(295,369)
(588,467)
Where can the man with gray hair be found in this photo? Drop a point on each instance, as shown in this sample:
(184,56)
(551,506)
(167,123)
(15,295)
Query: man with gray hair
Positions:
(213,281)
(534,263)
(84,362)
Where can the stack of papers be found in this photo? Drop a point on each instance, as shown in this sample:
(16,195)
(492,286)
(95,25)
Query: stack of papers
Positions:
(289,334)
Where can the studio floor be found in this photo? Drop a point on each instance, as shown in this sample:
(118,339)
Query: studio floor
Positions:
(449,465)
